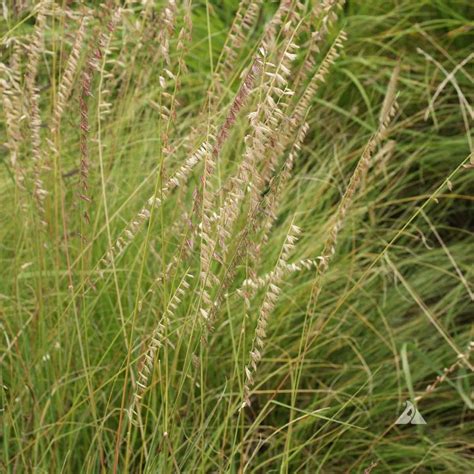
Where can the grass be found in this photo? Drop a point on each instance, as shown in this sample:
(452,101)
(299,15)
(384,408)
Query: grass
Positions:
(346,342)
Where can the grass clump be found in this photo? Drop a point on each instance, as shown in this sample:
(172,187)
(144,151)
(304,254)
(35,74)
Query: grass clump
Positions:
(236,236)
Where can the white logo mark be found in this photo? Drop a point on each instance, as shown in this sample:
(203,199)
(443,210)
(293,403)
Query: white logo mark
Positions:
(410,416)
